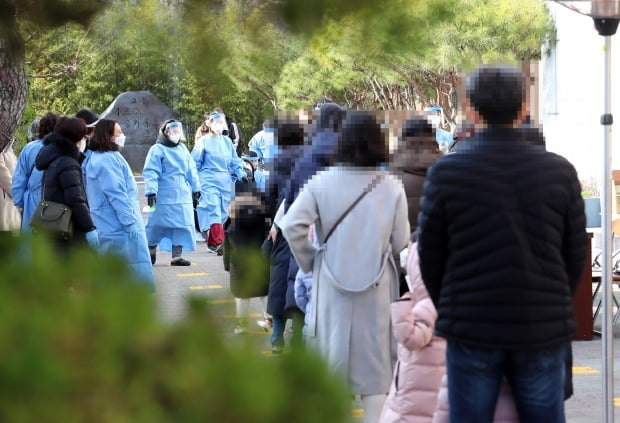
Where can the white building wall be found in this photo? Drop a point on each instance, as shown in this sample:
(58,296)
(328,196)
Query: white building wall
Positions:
(572,96)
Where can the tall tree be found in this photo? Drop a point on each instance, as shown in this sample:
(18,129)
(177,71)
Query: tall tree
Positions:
(13,82)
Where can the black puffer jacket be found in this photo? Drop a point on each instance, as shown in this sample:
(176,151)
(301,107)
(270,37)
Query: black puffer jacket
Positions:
(502,243)
(60,159)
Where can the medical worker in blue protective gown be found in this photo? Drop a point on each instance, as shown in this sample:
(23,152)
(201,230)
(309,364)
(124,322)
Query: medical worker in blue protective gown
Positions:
(171,186)
(27,180)
(217,163)
(113,198)
(263,142)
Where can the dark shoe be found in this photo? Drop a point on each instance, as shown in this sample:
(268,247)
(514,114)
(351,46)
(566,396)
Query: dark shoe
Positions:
(179,261)
(153,254)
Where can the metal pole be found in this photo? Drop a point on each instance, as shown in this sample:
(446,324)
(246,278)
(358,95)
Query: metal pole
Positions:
(606,264)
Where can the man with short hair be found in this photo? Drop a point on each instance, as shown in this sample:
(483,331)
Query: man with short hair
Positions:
(502,246)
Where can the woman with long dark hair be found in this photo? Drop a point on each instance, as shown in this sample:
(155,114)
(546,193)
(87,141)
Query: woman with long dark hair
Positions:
(113,197)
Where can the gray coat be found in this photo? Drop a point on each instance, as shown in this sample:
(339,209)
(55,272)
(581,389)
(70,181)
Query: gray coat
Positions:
(355,279)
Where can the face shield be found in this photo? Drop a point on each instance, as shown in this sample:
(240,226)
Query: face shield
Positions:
(217,123)
(174,131)
(434,115)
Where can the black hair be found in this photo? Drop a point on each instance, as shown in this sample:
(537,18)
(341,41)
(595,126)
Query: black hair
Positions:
(87,116)
(102,136)
(417,127)
(496,92)
(289,134)
(72,128)
(362,144)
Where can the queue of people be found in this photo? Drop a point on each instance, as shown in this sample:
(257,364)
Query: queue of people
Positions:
(315,227)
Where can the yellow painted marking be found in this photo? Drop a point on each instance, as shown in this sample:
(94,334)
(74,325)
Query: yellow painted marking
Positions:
(267,353)
(197,287)
(191,275)
(215,287)
(617,402)
(258,332)
(357,413)
(221,301)
(584,370)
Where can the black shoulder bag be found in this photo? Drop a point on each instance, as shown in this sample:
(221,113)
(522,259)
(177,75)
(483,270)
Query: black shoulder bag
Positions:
(54,219)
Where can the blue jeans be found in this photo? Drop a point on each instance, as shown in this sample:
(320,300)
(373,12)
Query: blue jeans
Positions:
(277,330)
(536,378)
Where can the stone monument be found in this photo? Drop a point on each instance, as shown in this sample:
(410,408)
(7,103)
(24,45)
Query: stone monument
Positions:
(140,114)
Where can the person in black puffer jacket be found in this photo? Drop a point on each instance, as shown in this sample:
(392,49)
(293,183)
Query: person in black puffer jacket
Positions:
(502,247)
(60,159)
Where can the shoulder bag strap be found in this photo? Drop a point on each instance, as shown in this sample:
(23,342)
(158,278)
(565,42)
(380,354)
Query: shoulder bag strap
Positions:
(369,188)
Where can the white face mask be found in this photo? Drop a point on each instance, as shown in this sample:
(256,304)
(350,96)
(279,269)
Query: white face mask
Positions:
(218,128)
(81,145)
(435,120)
(120,140)
(175,137)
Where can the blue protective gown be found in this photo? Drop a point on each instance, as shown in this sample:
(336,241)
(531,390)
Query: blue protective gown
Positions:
(170,174)
(217,163)
(264,144)
(444,139)
(113,199)
(26,189)
(260,179)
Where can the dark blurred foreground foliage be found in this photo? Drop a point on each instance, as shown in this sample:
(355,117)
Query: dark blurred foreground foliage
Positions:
(81,342)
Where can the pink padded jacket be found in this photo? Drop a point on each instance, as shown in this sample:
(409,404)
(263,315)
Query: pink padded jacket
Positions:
(421,355)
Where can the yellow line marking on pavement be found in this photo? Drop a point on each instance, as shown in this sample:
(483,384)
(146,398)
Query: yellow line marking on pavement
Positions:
(221,301)
(617,402)
(584,370)
(357,413)
(202,287)
(197,287)
(267,353)
(191,275)
(258,332)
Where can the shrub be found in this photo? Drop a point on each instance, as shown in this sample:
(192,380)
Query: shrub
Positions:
(81,342)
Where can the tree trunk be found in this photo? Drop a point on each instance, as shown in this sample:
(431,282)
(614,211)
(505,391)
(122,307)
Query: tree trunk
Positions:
(13,93)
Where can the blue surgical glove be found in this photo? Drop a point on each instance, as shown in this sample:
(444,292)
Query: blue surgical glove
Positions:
(133,231)
(92,238)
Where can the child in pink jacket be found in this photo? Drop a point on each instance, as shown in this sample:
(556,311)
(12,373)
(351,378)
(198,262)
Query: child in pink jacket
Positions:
(421,355)
(415,394)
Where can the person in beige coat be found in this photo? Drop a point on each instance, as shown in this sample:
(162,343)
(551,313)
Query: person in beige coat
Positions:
(10,219)
(355,278)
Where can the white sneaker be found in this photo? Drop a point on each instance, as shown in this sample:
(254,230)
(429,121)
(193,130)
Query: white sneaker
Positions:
(266,324)
(240,330)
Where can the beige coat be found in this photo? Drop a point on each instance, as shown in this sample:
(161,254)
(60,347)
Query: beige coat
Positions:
(10,219)
(355,278)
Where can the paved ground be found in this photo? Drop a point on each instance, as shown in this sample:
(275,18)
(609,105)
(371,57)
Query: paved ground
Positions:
(206,277)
